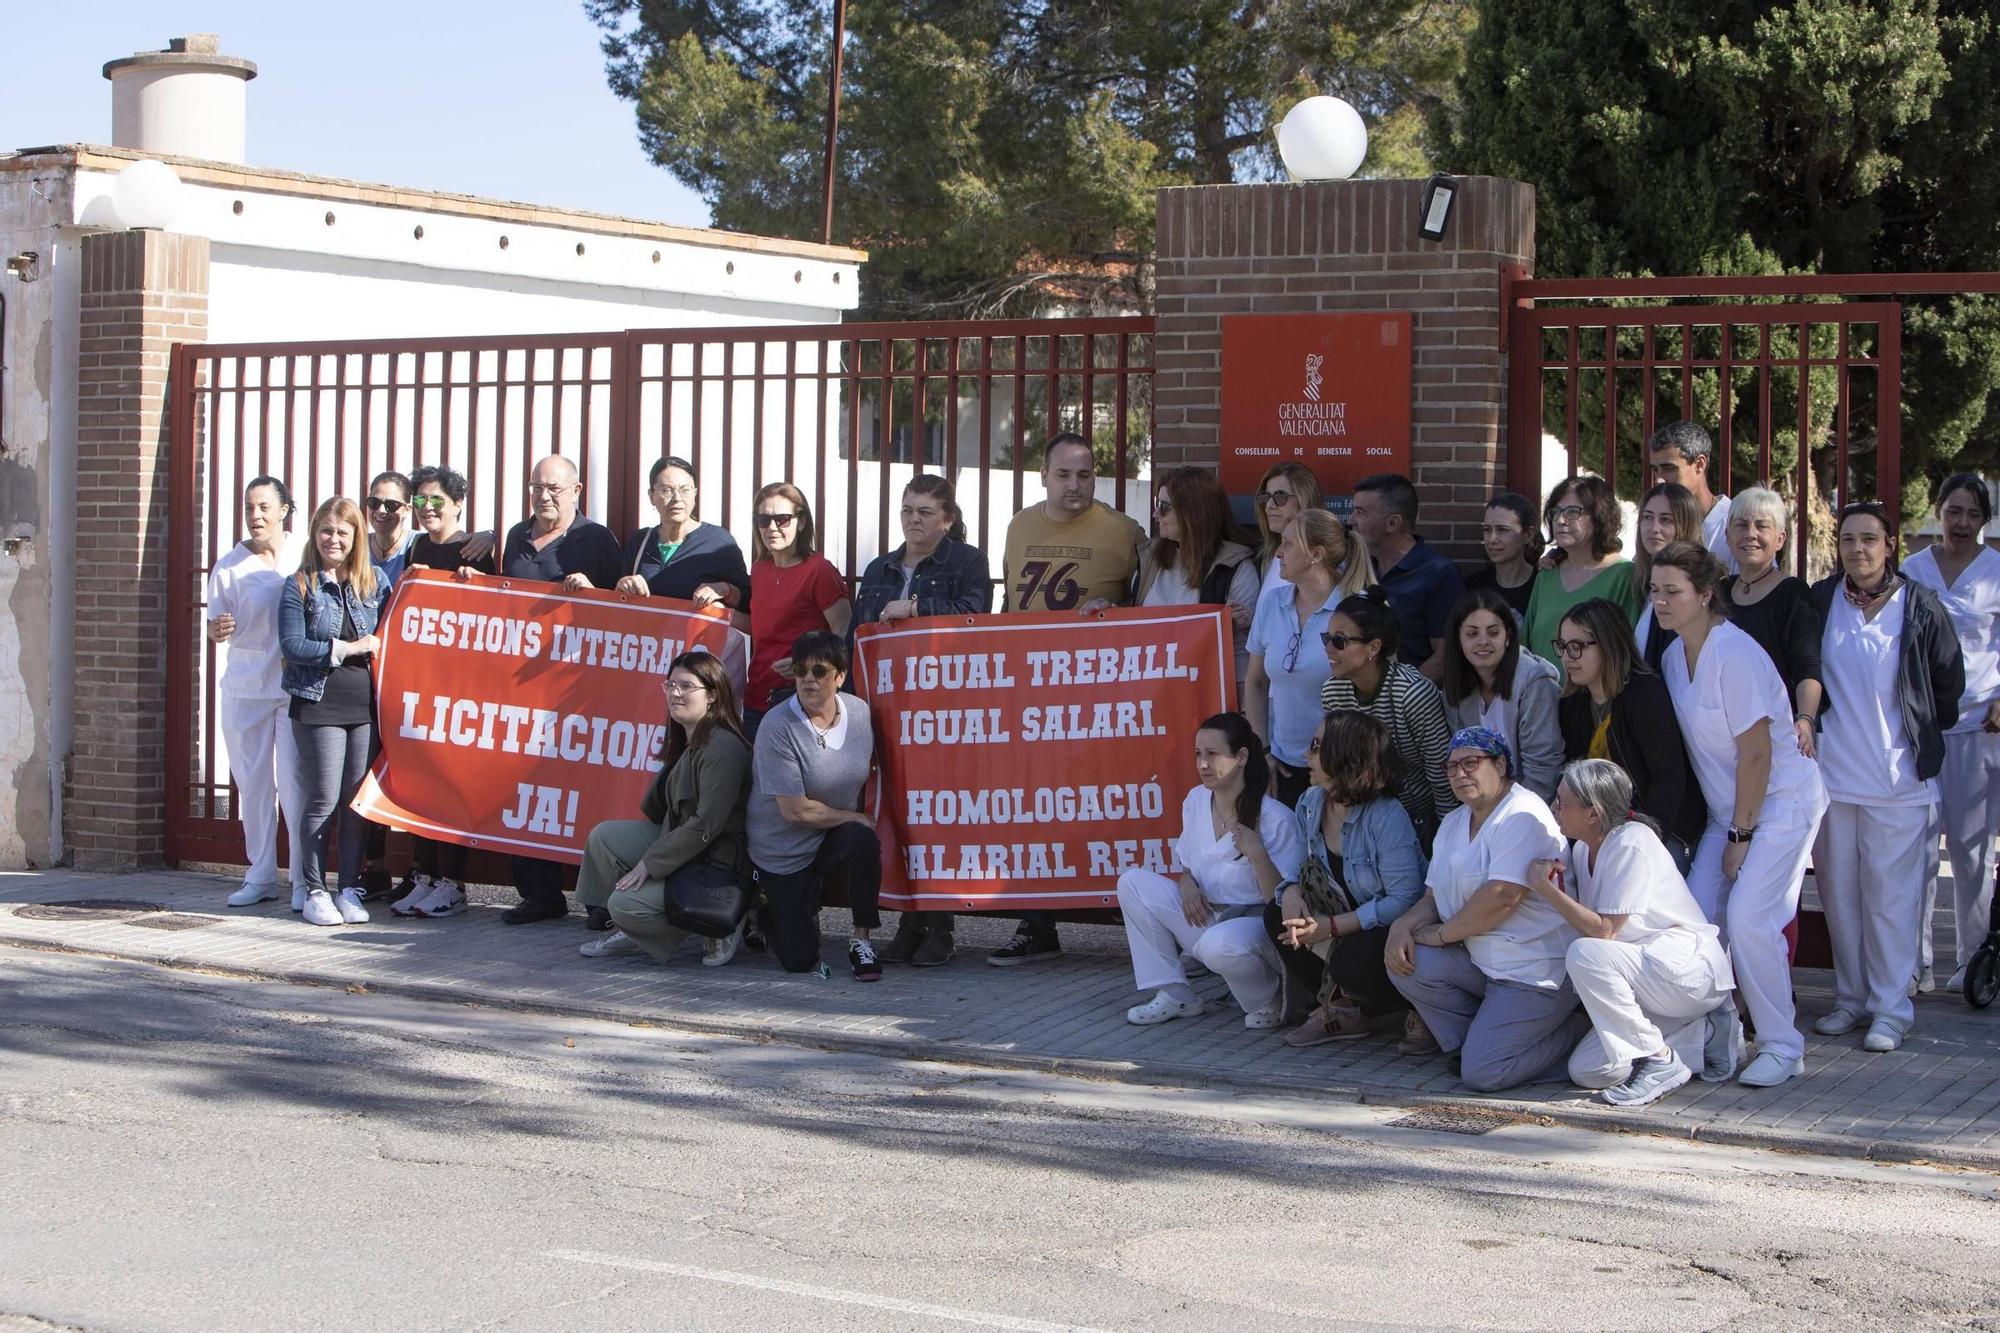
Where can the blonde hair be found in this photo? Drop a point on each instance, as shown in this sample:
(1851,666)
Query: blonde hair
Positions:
(1305,486)
(1346,561)
(357,571)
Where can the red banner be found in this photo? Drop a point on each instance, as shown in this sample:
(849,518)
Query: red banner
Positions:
(514,715)
(1025,761)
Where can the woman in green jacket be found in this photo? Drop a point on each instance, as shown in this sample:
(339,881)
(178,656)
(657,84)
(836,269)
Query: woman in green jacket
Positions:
(692,821)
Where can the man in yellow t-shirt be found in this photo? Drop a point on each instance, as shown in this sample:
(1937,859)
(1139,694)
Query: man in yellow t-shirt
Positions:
(1068,553)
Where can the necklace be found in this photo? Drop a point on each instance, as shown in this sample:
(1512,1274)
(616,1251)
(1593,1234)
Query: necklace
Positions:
(1742,583)
(823,732)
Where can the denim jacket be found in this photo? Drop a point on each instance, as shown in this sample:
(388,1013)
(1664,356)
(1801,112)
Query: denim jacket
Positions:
(1383,861)
(952,580)
(306,632)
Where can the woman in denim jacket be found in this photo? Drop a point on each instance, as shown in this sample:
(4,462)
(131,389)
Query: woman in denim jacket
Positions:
(326,634)
(1363,868)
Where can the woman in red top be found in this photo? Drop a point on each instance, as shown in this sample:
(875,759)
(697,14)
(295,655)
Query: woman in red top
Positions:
(793,589)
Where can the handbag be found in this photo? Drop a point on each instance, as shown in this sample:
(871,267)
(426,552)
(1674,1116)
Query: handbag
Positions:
(705,900)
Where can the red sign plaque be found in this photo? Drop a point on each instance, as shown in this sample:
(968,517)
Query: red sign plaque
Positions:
(1329,391)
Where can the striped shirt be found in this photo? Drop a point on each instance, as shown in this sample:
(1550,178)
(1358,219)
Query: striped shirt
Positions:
(1411,710)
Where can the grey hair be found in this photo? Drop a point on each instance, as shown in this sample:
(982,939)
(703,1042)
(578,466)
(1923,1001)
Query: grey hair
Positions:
(1602,786)
(1685,438)
(1762,501)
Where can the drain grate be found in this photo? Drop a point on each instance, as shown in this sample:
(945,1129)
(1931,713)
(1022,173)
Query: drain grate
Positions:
(86,909)
(1454,1120)
(174,921)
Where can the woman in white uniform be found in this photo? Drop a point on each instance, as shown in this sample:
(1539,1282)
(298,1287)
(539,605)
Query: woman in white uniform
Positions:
(1965,574)
(1646,963)
(1237,845)
(1893,675)
(1764,797)
(242,615)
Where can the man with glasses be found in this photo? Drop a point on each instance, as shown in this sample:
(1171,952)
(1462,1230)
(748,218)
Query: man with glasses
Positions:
(1679,453)
(556,544)
(1071,552)
(1423,586)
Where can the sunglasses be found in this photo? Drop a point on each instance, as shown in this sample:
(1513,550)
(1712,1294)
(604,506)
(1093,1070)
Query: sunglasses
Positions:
(1275,497)
(1339,642)
(1571,649)
(813,670)
(776,520)
(423,502)
(376,506)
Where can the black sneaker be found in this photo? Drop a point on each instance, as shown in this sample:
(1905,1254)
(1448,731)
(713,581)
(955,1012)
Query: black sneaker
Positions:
(910,934)
(938,948)
(377,884)
(597,918)
(521,914)
(861,957)
(1025,947)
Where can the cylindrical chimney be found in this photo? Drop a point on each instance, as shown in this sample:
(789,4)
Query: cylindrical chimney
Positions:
(185,101)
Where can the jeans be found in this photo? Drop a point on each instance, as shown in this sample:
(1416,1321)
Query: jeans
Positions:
(850,851)
(332,762)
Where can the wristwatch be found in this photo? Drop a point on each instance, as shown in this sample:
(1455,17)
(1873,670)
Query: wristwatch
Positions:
(1737,834)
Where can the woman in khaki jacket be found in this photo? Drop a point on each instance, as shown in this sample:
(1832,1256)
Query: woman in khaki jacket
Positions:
(692,821)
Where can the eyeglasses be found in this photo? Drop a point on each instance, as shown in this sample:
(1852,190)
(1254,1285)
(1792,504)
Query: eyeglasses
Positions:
(423,502)
(1275,497)
(1312,746)
(549,487)
(814,670)
(380,506)
(1569,513)
(677,688)
(776,520)
(1571,649)
(1339,642)
(1163,507)
(684,492)
(1455,767)
(1292,653)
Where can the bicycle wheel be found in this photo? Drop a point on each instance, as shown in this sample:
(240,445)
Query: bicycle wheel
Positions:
(1982,977)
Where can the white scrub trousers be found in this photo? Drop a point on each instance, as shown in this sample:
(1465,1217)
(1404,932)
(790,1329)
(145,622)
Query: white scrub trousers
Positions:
(1870,862)
(264,764)
(1970,786)
(1641,998)
(1237,950)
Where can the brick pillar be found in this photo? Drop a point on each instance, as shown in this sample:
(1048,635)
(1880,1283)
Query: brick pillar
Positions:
(143,291)
(1350,245)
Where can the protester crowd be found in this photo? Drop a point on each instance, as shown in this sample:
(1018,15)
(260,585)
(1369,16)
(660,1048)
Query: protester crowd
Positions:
(1552,816)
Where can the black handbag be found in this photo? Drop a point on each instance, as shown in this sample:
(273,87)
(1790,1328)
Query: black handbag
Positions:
(710,901)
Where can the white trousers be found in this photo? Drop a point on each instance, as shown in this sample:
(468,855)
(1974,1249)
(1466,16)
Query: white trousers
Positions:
(1870,862)
(1970,785)
(263,762)
(1641,997)
(1754,911)
(1237,950)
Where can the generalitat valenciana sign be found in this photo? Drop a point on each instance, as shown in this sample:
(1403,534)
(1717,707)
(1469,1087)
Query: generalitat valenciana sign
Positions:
(1329,391)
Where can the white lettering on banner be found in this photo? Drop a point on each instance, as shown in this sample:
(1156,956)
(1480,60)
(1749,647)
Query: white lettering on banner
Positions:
(1064,722)
(472,724)
(1123,854)
(1312,418)
(962,671)
(954,726)
(1012,861)
(1108,666)
(470,632)
(584,645)
(550,810)
(1045,805)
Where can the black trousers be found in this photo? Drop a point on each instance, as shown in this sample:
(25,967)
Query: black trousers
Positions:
(1288,783)
(850,853)
(538,881)
(1354,968)
(440,860)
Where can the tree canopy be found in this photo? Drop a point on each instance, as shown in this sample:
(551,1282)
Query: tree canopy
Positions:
(1004,157)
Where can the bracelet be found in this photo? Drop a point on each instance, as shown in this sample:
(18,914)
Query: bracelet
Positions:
(1739,834)
(1802,717)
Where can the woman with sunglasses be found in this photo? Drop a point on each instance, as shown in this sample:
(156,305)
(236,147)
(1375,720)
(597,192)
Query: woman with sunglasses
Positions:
(794,590)
(1765,799)
(1614,708)
(389,532)
(1772,607)
(1192,560)
(811,759)
(1321,564)
(1362,868)
(681,556)
(1364,673)
(1283,493)
(1511,534)
(1490,682)
(692,825)
(1584,521)
(1668,513)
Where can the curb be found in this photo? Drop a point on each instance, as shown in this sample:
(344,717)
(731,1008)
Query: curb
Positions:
(1601,1120)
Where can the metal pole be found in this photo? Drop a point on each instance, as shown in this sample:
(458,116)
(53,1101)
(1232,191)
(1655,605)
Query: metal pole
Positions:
(832,122)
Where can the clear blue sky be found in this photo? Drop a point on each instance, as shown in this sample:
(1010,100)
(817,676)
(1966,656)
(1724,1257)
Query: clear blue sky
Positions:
(505,98)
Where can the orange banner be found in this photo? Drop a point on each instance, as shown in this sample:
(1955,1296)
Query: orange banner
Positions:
(514,716)
(1025,761)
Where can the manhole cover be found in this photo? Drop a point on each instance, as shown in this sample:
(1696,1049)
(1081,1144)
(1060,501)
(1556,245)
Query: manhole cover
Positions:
(1453,1120)
(85,909)
(173,921)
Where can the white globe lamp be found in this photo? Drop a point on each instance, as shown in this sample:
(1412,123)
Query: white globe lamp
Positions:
(1322,139)
(147,195)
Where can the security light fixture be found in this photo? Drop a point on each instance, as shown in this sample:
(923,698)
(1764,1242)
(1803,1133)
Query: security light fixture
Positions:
(1439,192)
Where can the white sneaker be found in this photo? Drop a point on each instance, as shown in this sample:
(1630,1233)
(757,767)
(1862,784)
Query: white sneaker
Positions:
(421,887)
(1923,983)
(447,898)
(1884,1035)
(608,945)
(1162,1008)
(298,897)
(348,903)
(249,895)
(720,952)
(1770,1069)
(319,909)
(1271,1017)
(1957,982)
(1838,1023)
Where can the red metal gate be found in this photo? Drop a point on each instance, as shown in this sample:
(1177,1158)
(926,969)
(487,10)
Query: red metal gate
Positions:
(847,411)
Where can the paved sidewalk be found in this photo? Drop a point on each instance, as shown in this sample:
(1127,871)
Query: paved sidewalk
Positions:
(1937,1099)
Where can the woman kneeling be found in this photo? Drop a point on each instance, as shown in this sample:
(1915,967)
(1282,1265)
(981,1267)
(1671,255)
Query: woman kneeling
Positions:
(691,825)
(1238,845)
(1647,965)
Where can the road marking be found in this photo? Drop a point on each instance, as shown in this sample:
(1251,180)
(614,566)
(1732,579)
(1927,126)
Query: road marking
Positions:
(834,1294)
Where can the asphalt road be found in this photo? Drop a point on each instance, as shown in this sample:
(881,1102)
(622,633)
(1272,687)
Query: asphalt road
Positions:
(184,1152)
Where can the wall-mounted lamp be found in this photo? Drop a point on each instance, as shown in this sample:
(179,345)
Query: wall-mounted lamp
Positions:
(27,266)
(1439,192)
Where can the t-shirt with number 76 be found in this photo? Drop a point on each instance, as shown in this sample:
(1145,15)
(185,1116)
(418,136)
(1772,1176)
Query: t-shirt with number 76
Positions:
(1054,566)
